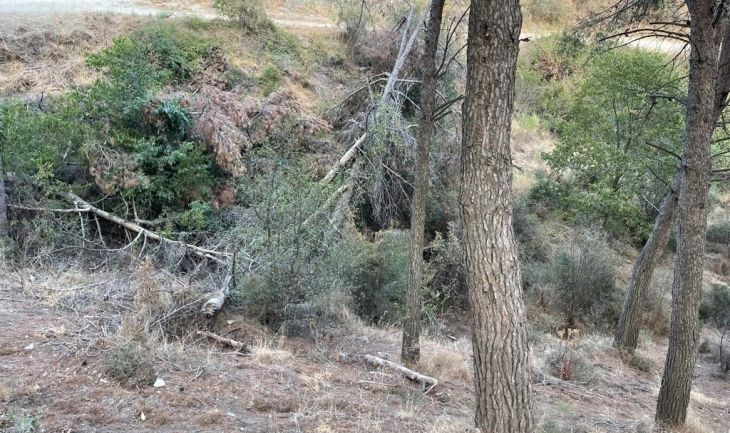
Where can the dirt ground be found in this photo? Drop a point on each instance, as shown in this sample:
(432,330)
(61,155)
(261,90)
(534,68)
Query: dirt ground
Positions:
(54,377)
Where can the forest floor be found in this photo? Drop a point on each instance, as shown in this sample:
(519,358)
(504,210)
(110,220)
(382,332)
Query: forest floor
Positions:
(55,375)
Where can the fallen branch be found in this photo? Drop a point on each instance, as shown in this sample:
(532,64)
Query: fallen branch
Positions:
(427,383)
(45,209)
(223,340)
(344,159)
(84,206)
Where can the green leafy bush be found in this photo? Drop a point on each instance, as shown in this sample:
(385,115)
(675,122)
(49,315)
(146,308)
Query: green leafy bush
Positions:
(269,80)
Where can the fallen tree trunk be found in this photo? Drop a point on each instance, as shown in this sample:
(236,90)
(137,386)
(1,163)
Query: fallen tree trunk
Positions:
(223,340)
(427,383)
(85,206)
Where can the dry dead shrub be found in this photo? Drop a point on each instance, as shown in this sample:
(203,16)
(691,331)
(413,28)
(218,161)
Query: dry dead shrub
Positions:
(212,73)
(278,106)
(216,130)
(113,170)
(379,49)
(219,118)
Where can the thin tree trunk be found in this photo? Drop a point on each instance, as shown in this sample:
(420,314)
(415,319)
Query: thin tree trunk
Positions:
(676,386)
(501,355)
(3,206)
(410,350)
(627,331)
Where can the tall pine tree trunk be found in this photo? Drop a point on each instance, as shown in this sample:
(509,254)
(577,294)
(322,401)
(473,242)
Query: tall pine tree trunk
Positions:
(501,356)
(627,331)
(674,393)
(3,206)
(410,351)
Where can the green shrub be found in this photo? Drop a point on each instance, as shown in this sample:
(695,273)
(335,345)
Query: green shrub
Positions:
(637,361)
(567,363)
(249,14)
(584,282)
(445,271)
(719,232)
(381,281)
(128,363)
(34,143)
(715,306)
(269,80)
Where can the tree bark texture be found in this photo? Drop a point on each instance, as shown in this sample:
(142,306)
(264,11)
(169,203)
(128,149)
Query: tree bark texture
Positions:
(410,350)
(4,229)
(674,394)
(501,355)
(627,331)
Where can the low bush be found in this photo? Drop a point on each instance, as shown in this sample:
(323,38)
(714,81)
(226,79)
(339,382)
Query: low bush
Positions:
(719,232)
(249,14)
(715,306)
(568,363)
(547,11)
(129,364)
(584,277)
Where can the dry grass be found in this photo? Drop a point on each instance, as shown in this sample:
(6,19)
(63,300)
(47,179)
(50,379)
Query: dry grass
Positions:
(446,360)
(49,58)
(268,352)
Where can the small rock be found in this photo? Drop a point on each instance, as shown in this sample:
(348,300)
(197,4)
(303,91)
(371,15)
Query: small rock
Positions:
(29,347)
(142,416)
(159,383)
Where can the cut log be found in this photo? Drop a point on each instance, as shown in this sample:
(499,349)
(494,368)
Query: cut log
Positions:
(223,340)
(84,206)
(427,383)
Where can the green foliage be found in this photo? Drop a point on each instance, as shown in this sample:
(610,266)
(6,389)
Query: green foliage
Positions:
(174,172)
(445,271)
(127,363)
(34,143)
(382,277)
(715,306)
(248,14)
(719,232)
(269,80)
(584,282)
(604,165)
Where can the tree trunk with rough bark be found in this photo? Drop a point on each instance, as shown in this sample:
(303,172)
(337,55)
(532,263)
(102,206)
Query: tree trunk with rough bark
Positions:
(4,229)
(674,394)
(501,355)
(627,331)
(410,350)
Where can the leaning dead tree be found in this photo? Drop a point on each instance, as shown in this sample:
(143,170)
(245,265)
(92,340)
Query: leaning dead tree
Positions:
(410,34)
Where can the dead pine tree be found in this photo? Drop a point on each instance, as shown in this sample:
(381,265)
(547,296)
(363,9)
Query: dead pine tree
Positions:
(501,356)
(410,351)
